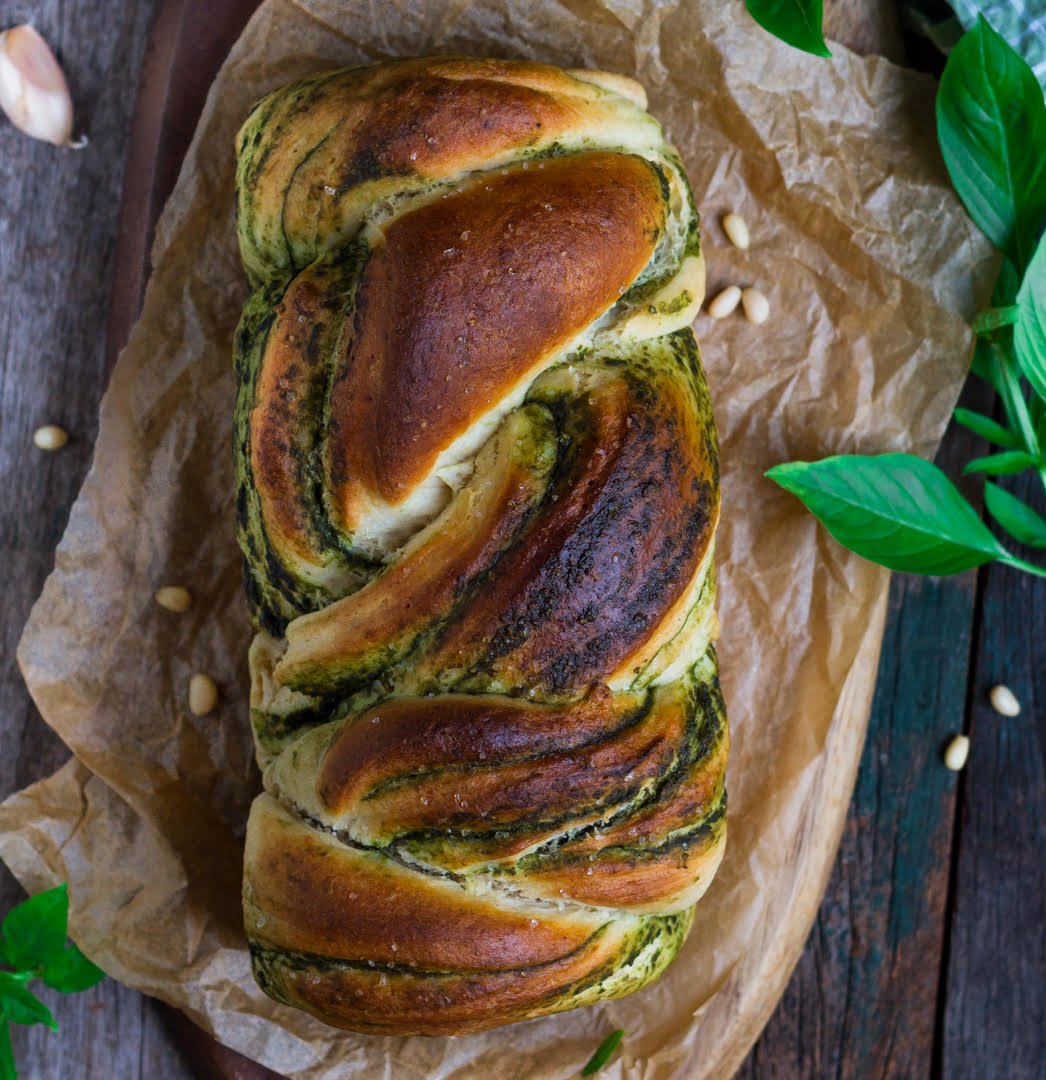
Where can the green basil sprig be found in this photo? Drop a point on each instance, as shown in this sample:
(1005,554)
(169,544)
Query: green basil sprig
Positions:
(796,22)
(33,946)
(603,1053)
(901,511)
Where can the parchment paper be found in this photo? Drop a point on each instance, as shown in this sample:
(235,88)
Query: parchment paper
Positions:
(869,265)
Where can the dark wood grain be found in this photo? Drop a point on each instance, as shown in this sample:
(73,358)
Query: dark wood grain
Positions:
(58,212)
(59,256)
(182,58)
(995,993)
(862,1003)
(863,1000)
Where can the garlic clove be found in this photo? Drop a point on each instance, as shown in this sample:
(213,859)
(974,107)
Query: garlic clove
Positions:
(33,90)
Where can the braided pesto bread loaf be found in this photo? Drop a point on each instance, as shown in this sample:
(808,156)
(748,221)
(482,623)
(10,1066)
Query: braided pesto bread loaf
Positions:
(478,487)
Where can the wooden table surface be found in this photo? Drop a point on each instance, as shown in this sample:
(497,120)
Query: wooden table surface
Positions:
(927,957)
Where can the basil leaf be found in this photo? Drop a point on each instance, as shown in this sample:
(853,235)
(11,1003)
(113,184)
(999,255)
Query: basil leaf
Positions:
(7,1053)
(71,972)
(1016,517)
(603,1052)
(1007,463)
(34,930)
(987,428)
(1029,332)
(895,509)
(991,124)
(795,22)
(20,1005)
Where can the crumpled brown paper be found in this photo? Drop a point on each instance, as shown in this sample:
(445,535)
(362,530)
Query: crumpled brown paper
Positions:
(868,262)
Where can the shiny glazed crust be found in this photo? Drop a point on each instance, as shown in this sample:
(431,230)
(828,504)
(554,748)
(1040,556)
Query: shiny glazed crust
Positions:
(478,491)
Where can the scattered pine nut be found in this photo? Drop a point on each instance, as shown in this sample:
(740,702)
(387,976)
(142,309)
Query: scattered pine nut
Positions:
(50,437)
(725,302)
(756,305)
(174,598)
(958,750)
(736,229)
(203,695)
(1004,701)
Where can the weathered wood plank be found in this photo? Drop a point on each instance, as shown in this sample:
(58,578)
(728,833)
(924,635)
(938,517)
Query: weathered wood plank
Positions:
(995,990)
(862,1003)
(107,1033)
(57,225)
(184,55)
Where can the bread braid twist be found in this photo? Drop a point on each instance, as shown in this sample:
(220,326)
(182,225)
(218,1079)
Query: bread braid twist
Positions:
(478,487)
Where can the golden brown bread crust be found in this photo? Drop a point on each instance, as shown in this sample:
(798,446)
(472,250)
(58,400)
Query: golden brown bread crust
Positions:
(651,858)
(426,346)
(291,374)
(422,958)
(413,734)
(368,630)
(635,494)
(639,501)
(409,736)
(320,153)
(390,1002)
(478,495)
(319,896)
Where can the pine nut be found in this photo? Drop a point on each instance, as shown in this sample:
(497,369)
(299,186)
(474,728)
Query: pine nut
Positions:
(50,437)
(957,752)
(174,598)
(725,302)
(1004,701)
(203,695)
(736,229)
(756,305)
